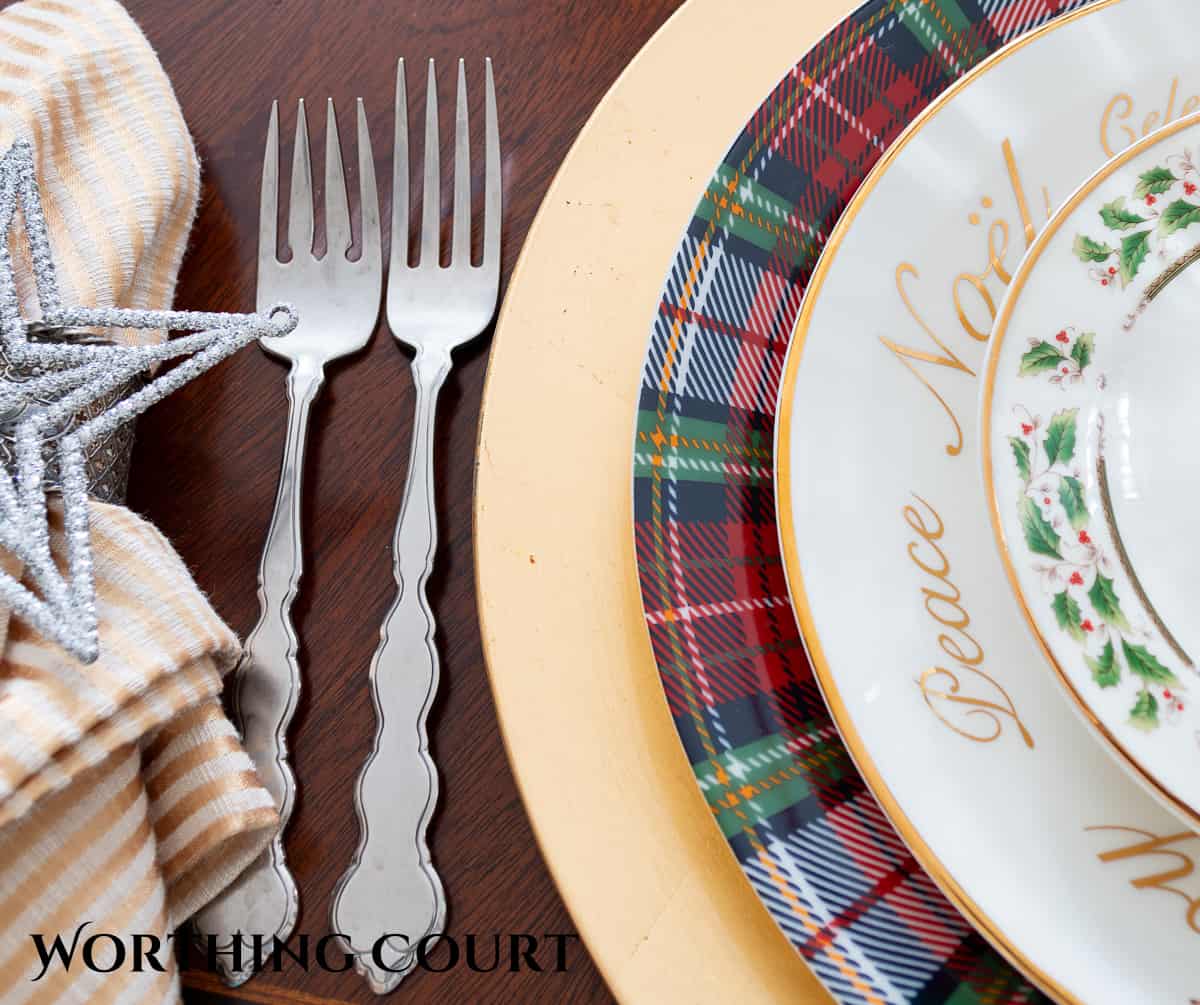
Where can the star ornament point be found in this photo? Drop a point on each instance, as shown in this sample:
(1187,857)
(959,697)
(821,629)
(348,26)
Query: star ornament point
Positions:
(57,408)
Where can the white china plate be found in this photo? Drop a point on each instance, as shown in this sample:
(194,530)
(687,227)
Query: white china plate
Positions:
(1075,872)
(1089,431)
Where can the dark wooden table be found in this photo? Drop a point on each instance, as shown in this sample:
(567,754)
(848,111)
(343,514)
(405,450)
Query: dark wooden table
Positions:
(207,460)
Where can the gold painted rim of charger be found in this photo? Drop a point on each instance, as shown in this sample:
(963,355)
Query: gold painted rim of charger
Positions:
(808,627)
(650,882)
(1028,263)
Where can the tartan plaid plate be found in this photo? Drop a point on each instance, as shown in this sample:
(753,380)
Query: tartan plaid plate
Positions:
(812,841)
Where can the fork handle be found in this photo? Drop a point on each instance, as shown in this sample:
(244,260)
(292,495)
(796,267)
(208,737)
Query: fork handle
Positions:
(391,887)
(264,900)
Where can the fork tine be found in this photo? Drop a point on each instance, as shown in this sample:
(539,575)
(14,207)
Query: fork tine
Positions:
(300,204)
(368,196)
(399,253)
(492,181)
(461,248)
(268,206)
(431,193)
(337,210)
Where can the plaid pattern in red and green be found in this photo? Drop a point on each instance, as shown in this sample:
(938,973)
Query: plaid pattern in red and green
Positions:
(811,839)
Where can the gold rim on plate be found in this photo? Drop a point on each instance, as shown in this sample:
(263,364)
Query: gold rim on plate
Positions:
(651,884)
(808,628)
(999,330)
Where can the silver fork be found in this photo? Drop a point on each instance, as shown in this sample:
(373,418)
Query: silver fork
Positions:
(391,885)
(338,303)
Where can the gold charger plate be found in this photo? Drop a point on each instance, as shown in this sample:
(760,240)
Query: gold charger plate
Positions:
(651,885)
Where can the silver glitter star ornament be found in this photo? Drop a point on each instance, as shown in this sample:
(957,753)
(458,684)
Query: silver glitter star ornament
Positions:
(66,372)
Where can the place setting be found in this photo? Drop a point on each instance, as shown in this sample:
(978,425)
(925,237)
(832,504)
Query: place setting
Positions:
(925,813)
(828,522)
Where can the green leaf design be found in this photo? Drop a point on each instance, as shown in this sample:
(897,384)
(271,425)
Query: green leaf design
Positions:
(1020,451)
(1177,216)
(1041,357)
(1039,535)
(1154,182)
(1068,615)
(1105,603)
(1088,250)
(1134,249)
(1143,663)
(1117,217)
(1060,436)
(1083,349)
(1105,671)
(1144,715)
(1070,494)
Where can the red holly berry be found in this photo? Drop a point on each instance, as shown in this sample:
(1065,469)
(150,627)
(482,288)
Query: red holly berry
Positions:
(1087,625)
(1066,370)
(1189,188)
(1103,282)
(1112,270)
(1076,579)
(1167,693)
(1063,337)
(1046,501)
(1084,537)
(1179,705)
(1026,428)
(1150,200)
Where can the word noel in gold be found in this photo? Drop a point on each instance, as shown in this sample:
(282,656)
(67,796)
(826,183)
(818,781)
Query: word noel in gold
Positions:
(975,297)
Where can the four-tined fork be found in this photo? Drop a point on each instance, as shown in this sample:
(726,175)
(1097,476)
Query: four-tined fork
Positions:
(391,885)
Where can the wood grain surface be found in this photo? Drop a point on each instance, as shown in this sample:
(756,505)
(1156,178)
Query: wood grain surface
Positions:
(207,459)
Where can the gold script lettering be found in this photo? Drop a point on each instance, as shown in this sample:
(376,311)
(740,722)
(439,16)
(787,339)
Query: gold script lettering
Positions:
(982,717)
(907,355)
(979,286)
(1014,178)
(1125,103)
(1119,112)
(996,255)
(1148,843)
(974,321)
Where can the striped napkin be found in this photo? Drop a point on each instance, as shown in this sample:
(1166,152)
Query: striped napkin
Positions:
(126,799)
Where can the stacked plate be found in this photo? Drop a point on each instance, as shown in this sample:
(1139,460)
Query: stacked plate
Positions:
(911,483)
(916,404)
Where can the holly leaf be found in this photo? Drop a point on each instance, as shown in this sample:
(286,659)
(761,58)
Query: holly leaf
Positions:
(1041,357)
(1039,535)
(1105,671)
(1020,451)
(1070,494)
(1143,663)
(1144,715)
(1068,615)
(1134,249)
(1178,216)
(1117,217)
(1083,349)
(1060,436)
(1088,250)
(1154,182)
(1105,603)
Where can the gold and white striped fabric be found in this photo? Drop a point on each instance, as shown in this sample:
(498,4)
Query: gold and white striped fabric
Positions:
(126,799)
